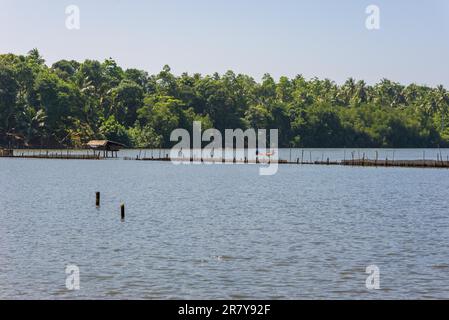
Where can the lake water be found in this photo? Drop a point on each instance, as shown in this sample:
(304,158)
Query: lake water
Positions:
(291,155)
(222,231)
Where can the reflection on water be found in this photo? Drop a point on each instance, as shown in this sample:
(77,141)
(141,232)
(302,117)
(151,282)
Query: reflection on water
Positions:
(221,231)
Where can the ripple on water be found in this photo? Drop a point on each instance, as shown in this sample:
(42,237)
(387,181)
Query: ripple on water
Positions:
(221,231)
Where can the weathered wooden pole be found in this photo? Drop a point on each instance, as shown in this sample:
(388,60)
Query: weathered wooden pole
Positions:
(122,211)
(97,199)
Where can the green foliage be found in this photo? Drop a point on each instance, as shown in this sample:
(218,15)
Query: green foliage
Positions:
(144,137)
(111,129)
(70,103)
(127,98)
(8,93)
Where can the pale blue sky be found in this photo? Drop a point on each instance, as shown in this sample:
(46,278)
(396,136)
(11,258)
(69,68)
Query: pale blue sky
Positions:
(324,38)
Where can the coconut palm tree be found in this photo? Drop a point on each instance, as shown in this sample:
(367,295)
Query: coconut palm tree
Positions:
(32,123)
(441,103)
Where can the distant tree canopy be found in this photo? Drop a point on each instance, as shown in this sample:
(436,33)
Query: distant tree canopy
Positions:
(70,103)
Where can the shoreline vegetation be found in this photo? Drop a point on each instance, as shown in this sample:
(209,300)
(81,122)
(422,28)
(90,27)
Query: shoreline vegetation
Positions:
(69,103)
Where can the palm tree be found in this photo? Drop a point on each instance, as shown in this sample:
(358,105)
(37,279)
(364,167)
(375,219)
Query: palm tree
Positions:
(348,90)
(35,56)
(360,95)
(389,93)
(33,122)
(441,103)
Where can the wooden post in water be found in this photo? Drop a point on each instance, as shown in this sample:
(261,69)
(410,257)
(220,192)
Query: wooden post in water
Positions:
(97,199)
(302,156)
(122,211)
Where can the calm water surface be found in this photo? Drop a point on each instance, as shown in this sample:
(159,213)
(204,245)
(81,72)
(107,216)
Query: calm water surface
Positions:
(291,155)
(221,231)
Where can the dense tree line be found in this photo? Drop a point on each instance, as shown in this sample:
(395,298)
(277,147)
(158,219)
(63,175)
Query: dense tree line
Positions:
(70,103)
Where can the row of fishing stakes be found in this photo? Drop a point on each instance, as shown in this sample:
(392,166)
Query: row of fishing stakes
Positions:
(122,206)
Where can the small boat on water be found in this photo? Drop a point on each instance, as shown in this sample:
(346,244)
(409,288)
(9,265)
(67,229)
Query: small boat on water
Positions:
(266,154)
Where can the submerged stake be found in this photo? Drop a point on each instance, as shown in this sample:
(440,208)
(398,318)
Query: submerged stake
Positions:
(97,200)
(122,211)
